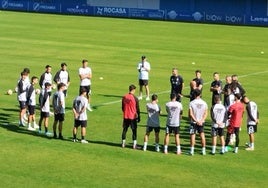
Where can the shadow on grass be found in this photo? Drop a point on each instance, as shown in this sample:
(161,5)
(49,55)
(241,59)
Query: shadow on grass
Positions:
(6,115)
(114,96)
(105,143)
(23,130)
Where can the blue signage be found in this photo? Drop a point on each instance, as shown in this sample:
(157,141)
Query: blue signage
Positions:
(14,5)
(44,7)
(77,9)
(111,11)
(147,13)
(239,12)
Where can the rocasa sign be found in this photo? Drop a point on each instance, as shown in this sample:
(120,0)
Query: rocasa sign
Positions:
(111,11)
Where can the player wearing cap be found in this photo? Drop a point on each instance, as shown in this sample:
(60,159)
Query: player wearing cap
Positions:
(198,111)
(144,69)
(131,115)
(174,114)
(62,76)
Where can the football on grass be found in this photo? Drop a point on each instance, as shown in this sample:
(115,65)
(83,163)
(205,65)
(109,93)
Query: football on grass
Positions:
(9,92)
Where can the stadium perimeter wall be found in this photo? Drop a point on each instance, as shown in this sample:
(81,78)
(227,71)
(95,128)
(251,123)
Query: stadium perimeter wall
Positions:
(238,12)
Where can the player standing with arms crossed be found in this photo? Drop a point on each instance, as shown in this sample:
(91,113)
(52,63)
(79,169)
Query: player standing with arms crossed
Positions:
(144,69)
(85,75)
(177,84)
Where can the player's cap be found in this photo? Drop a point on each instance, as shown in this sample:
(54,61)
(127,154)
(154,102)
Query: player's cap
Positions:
(131,87)
(63,64)
(143,57)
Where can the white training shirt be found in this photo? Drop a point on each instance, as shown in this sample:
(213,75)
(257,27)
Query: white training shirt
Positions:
(32,100)
(199,107)
(253,110)
(64,77)
(59,102)
(144,70)
(47,78)
(86,81)
(22,94)
(153,111)
(79,103)
(46,105)
(174,109)
(219,114)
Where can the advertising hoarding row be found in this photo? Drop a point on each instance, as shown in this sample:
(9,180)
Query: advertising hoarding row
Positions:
(163,13)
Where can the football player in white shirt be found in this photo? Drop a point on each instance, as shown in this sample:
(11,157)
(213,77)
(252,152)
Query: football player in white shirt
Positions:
(59,110)
(85,75)
(62,76)
(45,109)
(46,77)
(174,114)
(31,103)
(252,121)
(218,114)
(153,123)
(198,111)
(144,69)
(22,96)
(80,115)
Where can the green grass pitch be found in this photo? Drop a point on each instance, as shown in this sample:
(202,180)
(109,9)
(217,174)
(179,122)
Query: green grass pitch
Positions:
(114,47)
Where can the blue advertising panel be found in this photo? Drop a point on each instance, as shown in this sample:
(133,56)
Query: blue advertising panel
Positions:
(77,9)
(240,12)
(111,11)
(14,5)
(147,13)
(35,6)
(224,18)
(183,16)
(257,20)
